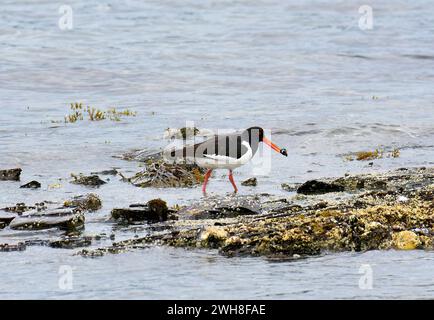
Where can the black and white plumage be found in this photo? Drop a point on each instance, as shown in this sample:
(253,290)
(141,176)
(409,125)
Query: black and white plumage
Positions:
(225,151)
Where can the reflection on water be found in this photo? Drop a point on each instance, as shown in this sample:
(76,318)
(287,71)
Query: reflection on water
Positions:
(303,70)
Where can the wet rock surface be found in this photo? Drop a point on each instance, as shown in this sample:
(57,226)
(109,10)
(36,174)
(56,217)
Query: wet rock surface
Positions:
(89,202)
(31,185)
(392,210)
(8,247)
(91,181)
(155,210)
(10,174)
(369,213)
(251,182)
(64,219)
(218,207)
(319,187)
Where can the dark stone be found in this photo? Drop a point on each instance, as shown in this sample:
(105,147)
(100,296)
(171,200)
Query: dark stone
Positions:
(70,243)
(154,211)
(63,219)
(32,185)
(10,175)
(251,182)
(5,220)
(318,187)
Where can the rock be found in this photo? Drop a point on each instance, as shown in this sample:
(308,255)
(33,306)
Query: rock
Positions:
(154,211)
(91,181)
(406,240)
(222,207)
(298,226)
(5,220)
(10,174)
(251,182)
(70,243)
(7,247)
(63,219)
(290,187)
(88,202)
(22,207)
(312,187)
(213,236)
(159,174)
(32,185)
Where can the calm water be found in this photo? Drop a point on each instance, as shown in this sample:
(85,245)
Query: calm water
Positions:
(303,70)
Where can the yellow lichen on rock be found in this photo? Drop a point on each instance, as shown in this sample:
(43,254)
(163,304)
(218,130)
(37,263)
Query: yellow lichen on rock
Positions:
(213,236)
(406,240)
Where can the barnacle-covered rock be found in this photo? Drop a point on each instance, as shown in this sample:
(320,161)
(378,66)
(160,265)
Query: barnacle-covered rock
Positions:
(91,181)
(89,202)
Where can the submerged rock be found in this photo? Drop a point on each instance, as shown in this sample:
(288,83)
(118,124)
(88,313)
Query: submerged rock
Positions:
(155,210)
(88,202)
(10,174)
(32,185)
(319,187)
(251,182)
(63,219)
(91,181)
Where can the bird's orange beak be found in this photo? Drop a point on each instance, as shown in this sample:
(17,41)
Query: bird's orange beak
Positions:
(274,147)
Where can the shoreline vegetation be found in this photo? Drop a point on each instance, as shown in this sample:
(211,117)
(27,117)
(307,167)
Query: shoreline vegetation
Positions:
(78,112)
(360,212)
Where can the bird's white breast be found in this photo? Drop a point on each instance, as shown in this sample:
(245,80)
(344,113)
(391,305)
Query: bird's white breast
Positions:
(215,161)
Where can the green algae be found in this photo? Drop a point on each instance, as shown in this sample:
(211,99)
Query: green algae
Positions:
(78,113)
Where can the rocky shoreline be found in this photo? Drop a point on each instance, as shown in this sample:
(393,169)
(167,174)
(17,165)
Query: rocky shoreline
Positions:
(379,211)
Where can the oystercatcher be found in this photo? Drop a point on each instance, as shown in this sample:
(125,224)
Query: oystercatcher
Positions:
(225,152)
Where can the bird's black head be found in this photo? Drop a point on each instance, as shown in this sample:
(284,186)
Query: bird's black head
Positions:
(256,132)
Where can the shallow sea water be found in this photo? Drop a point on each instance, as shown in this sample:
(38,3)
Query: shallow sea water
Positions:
(305,71)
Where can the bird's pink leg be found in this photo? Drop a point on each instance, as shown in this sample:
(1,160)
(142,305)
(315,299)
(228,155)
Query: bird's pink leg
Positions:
(205,181)
(231,179)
